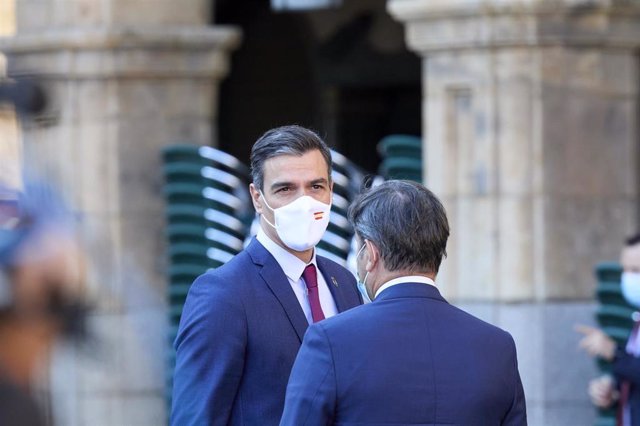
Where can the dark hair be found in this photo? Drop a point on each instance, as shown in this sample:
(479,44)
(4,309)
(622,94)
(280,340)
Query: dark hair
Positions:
(632,240)
(285,140)
(406,222)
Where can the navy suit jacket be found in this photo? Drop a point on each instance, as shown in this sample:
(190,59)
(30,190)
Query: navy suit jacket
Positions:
(239,334)
(408,358)
(626,367)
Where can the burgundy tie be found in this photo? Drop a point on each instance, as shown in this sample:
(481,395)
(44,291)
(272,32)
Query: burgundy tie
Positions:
(311,279)
(622,402)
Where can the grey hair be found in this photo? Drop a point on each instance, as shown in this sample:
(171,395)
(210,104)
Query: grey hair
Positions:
(406,222)
(285,140)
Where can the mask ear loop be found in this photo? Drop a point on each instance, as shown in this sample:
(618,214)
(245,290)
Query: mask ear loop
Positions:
(267,204)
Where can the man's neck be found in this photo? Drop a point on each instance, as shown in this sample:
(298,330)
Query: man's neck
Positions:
(304,256)
(387,276)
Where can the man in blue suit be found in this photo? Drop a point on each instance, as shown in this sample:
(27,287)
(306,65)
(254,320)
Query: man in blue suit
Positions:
(407,358)
(243,323)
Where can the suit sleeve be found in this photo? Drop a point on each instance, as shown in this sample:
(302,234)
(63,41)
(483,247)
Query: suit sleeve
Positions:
(210,353)
(311,392)
(626,367)
(517,413)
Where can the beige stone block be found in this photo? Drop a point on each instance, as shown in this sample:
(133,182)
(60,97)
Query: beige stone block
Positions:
(144,410)
(140,173)
(97,99)
(598,135)
(50,154)
(580,232)
(144,342)
(101,374)
(517,236)
(191,129)
(33,15)
(92,62)
(596,70)
(469,273)
(106,274)
(440,167)
(554,135)
(473,228)
(552,68)
(100,166)
(192,97)
(82,13)
(100,409)
(143,98)
(515,99)
(160,12)
(144,247)
(171,98)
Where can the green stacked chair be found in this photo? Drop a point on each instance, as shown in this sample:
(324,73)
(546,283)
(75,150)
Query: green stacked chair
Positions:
(615,317)
(207,209)
(401,157)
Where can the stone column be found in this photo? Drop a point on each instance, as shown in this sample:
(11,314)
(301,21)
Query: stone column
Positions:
(125,78)
(529,121)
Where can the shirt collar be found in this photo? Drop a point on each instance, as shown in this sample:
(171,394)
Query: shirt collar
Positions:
(407,279)
(291,265)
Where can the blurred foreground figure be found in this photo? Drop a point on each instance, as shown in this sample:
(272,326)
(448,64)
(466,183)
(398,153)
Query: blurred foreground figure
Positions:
(41,294)
(624,386)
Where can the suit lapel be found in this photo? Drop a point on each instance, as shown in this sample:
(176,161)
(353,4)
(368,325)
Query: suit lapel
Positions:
(337,291)
(279,285)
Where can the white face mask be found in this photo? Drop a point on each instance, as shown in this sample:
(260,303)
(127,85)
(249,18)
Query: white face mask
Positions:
(301,223)
(362,287)
(630,284)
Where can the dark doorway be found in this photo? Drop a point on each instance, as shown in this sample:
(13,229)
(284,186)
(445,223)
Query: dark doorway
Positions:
(332,70)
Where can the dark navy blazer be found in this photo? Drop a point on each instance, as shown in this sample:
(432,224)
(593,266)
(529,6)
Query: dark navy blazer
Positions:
(626,367)
(408,358)
(239,334)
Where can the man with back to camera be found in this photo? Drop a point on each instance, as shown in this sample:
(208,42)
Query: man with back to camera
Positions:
(243,323)
(624,386)
(407,358)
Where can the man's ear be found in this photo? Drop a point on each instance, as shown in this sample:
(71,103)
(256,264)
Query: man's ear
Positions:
(256,198)
(374,256)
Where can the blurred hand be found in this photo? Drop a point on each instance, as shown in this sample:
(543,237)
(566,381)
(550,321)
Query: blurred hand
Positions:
(596,343)
(602,391)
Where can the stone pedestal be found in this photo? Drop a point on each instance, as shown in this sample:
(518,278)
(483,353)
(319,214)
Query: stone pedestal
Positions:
(529,123)
(124,78)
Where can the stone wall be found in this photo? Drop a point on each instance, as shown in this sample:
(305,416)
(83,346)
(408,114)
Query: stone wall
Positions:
(530,136)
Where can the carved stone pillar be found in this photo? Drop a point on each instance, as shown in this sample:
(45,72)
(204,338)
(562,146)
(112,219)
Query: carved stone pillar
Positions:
(530,132)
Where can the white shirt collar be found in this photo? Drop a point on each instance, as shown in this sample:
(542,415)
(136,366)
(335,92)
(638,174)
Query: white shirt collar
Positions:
(291,265)
(406,279)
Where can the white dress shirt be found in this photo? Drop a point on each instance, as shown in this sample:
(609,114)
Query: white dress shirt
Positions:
(402,280)
(293,269)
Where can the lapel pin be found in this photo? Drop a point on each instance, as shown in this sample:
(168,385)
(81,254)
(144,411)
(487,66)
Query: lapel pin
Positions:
(333,280)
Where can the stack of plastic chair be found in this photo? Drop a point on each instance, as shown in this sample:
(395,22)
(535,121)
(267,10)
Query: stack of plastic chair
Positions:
(615,317)
(207,200)
(401,157)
